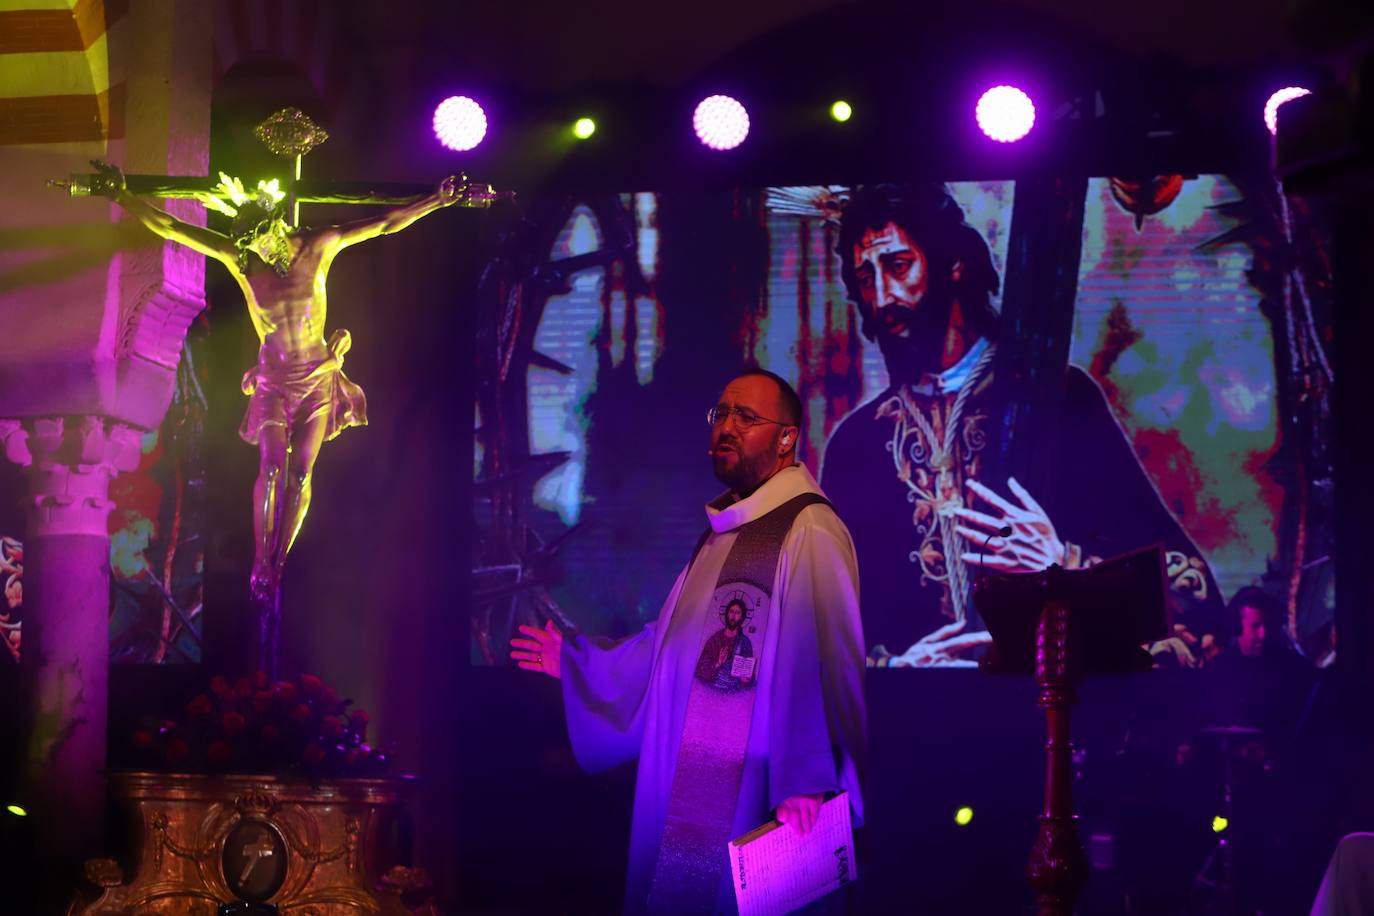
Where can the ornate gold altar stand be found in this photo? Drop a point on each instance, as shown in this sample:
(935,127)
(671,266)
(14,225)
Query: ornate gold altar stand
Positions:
(212,842)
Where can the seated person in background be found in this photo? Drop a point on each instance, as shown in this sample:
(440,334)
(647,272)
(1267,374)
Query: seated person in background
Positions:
(1260,680)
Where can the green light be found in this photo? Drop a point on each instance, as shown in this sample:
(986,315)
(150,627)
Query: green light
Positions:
(841,111)
(584,128)
(964,816)
(16,811)
(1219,824)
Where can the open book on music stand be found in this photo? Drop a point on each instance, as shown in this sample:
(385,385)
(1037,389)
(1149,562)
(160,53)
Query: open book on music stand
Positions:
(1059,625)
(1115,609)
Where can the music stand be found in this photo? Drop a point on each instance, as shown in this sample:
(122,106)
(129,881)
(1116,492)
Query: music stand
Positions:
(1060,625)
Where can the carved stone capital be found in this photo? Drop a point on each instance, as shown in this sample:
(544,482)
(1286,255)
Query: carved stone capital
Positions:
(71,461)
(14,442)
(152,326)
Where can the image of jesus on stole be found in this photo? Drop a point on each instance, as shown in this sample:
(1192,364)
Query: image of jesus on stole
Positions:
(717,665)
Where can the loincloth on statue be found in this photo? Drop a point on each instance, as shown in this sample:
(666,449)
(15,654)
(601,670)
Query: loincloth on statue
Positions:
(298,393)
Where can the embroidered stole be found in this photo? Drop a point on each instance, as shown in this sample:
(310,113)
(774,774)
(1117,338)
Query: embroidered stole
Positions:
(715,734)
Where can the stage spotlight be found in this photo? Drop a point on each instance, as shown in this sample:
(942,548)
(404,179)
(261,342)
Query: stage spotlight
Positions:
(841,111)
(460,123)
(1271,107)
(16,811)
(1219,824)
(1005,113)
(583,128)
(721,122)
(964,816)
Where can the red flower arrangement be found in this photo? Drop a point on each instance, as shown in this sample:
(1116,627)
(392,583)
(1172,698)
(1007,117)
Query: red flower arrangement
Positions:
(254,726)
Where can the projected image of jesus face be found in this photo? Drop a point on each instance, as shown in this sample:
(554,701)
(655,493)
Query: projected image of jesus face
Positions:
(907,313)
(893,276)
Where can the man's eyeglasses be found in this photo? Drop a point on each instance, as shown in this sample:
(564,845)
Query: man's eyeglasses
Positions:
(746,418)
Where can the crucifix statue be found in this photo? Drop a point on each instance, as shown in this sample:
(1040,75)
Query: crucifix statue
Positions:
(299,397)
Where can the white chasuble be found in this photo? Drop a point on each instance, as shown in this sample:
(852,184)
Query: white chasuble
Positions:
(627,699)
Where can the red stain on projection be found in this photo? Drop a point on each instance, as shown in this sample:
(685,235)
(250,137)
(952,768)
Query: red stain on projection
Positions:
(1271,492)
(804,309)
(137,491)
(842,367)
(788,269)
(660,338)
(807,382)
(1170,464)
(1118,336)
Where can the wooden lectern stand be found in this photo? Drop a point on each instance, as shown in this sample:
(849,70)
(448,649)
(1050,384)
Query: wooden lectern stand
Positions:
(1060,625)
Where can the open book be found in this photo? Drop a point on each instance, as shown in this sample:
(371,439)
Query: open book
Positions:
(777,870)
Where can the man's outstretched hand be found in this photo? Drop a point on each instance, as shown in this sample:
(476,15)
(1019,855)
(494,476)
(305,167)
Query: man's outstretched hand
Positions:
(540,650)
(801,811)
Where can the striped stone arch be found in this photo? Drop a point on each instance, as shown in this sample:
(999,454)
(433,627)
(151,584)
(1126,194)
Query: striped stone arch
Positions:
(55,84)
(55,74)
(93,314)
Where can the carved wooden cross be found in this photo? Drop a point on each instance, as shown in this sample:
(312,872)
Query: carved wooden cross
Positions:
(291,134)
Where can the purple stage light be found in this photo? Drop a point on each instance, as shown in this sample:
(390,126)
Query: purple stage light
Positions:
(721,122)
(1005,113)
(460,123)
(1271,107)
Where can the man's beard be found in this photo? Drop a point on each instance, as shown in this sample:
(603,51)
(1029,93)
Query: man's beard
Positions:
(919,353)
(745,473)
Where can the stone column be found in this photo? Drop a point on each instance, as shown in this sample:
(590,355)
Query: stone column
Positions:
(69,462)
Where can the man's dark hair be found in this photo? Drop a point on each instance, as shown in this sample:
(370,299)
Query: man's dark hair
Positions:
(250,218)
(787,395)
(933,220)
(1271,612)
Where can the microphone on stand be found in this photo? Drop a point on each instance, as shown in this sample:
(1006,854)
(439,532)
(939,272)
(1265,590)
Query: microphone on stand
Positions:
(1003,532)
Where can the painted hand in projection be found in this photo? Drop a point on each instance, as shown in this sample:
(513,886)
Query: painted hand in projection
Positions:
(946,647)
(541,651)
(1032,545)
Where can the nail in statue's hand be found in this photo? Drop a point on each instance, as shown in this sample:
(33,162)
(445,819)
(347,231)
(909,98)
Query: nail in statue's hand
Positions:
(448,191)
(111,181)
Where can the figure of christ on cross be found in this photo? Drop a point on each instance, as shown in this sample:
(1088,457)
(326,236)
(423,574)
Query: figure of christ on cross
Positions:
(299,396)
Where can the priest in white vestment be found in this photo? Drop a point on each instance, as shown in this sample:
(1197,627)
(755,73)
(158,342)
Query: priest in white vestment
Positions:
(628,699)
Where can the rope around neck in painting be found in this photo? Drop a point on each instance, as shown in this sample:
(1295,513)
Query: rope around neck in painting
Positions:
(956,573)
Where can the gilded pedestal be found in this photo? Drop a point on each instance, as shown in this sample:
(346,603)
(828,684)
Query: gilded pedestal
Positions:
(204,841)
